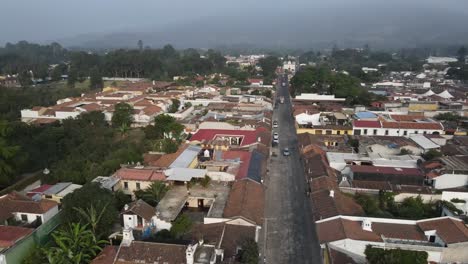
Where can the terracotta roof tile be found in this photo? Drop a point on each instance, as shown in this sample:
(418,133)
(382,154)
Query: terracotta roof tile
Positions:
(15,202)
(148,252)
(246,199)
(106,256)
(9,235)
(141,208)
(448,229)
(144,174)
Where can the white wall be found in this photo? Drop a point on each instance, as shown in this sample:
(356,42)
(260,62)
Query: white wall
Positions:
(32,217)
(161,224)
(221,176)
(27,113)
(446,181)
(395,131)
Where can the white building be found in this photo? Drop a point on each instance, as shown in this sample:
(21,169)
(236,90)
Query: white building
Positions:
(289,66)
(443,238)
(319,97)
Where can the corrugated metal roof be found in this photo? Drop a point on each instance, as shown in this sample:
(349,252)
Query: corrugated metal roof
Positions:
(186,157)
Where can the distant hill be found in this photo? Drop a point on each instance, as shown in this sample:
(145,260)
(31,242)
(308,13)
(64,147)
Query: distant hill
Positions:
(353,26)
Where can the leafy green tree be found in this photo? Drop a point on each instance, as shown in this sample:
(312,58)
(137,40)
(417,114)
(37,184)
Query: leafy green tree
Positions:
(169,146)
(91,216)
(102,202)
(121,199)
(165,126)
(181,226)
(58,71)
(391,256)
(123,115)
(174,106)
(269,65)
(7,155)
(95,79)
(153,194)
(205,181)
(432,154)
(24,78)
(449,117)
(249,253)
(74,245)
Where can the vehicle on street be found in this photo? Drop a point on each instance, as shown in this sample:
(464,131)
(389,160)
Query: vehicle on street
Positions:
(286,152)
(282,99)
(275,124)
(275,135)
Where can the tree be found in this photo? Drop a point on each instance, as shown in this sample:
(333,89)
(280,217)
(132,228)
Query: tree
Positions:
(153,194)
(391,256)
(249,254)
(123,115)
(269,65)
(181,226)
(432,154)
(95,79)
(91,195)
(91,216)
(174,106)
(74,245)
(58,71)
(165,126)
(7,154)
(169,146)
(205,181)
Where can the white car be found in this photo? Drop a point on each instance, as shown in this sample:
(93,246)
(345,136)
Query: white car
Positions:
(286,152)
(275,124)
(275,136)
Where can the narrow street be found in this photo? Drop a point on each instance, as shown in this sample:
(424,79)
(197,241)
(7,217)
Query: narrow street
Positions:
(289,234)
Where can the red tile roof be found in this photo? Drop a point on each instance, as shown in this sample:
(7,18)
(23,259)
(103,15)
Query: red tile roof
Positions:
(248,136)
(448,229)
(366,123)
(39,190)
(9,235)
(413,125)
(246,199)
(149,252)
(244,157)
(385,170)
(106,256)
(15,202)
(134,174)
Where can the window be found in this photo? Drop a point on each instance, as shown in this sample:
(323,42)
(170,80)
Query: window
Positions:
(329,132)
(405,133)
(126,185)
(365,131)
(138,186)
(24,218)
(48,196)
(357,132)
(338,132)
(375,132)
(424,132)
(386,132)
(318,132)
(432,239)
(416,132)
(346,132)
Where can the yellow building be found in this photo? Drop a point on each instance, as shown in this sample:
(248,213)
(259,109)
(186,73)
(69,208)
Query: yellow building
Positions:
(422,106)
(326,130)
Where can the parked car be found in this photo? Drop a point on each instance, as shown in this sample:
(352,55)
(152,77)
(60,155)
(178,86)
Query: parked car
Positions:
(275,124)
(275,135)
(286,152)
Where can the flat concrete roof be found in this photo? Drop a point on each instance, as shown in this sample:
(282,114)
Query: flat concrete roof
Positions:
(171,205)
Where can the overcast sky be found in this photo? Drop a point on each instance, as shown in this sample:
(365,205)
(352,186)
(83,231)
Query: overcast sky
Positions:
(45,20)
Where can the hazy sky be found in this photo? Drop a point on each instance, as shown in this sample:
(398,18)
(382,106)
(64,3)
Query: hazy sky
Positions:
(45,20)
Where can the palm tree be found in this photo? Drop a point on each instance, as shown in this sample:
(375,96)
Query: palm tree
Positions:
(154,193)
(74,245)
(123,129)
(91,215)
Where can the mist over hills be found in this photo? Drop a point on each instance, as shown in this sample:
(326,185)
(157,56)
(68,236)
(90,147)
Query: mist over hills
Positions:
(353,26)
